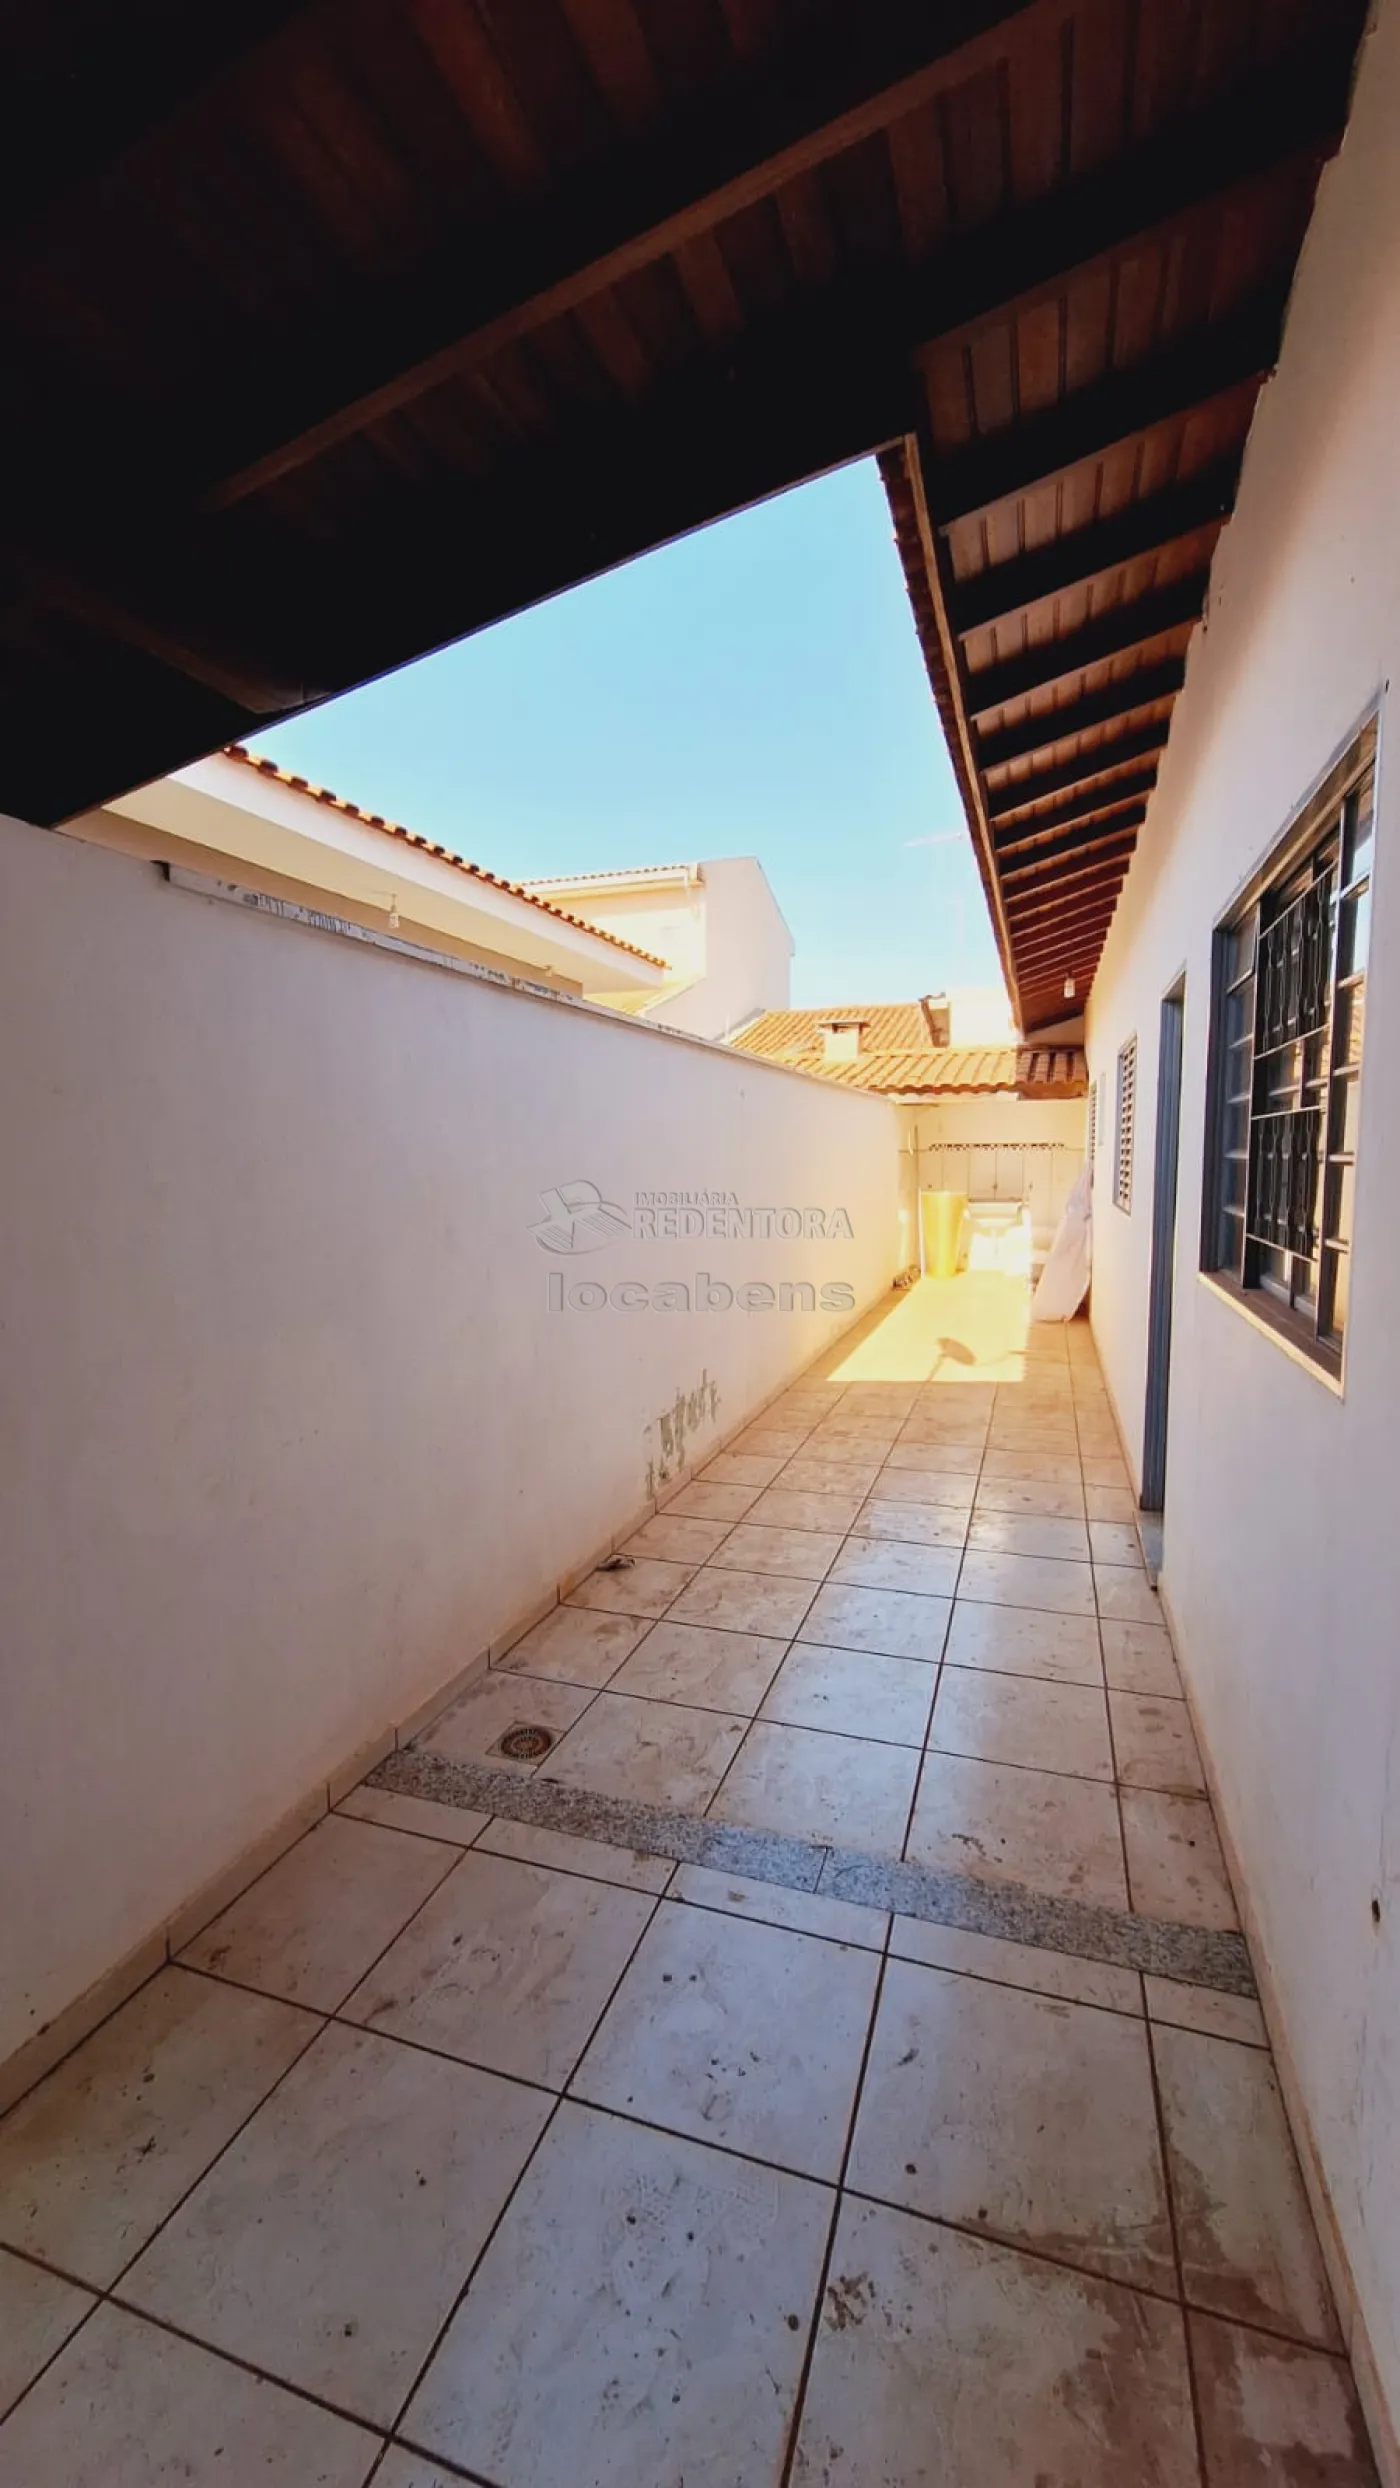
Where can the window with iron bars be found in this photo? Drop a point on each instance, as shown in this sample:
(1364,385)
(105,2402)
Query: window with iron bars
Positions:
(1287,1023)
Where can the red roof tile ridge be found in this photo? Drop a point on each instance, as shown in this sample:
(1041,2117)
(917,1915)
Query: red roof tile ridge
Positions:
(430,846)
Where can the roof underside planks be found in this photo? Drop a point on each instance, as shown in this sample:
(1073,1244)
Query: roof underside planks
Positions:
(337,332)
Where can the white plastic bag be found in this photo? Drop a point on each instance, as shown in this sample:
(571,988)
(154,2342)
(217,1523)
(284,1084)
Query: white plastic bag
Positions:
(1064,1281)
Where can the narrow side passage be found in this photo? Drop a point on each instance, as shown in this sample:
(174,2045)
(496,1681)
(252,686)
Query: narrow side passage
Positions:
(467,2146)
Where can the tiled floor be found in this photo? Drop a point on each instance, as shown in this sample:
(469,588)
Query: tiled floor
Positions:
(461,2148)
(898,1616)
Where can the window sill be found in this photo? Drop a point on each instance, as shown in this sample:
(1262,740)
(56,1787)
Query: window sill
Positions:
(1253,1310)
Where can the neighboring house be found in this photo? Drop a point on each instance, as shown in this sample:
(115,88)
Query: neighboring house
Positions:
(717,924)
(242,822)
(999,1121)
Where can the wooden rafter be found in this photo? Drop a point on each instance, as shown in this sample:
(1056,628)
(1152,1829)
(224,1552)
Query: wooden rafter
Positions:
(1092,553)
(1145,688)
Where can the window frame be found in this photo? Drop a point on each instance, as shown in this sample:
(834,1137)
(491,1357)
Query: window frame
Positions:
(1312,851)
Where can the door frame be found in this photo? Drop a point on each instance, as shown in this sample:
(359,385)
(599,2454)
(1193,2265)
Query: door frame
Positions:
(1166,1162)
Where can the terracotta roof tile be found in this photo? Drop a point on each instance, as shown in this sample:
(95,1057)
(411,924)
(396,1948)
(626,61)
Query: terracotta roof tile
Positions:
(896,1058)
(431,846)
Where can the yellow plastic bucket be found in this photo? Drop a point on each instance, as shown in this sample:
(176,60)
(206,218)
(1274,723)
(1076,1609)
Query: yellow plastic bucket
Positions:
(943,1214)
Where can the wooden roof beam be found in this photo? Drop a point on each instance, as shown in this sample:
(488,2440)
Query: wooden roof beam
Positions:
(1119,795)
(88,101)
(1094,553)
(1063,908)
(1210,363)
(783,118)
(1017,795)
(797,108)
(1111,634)
(1120,832)
(1144,689)
(1051,962)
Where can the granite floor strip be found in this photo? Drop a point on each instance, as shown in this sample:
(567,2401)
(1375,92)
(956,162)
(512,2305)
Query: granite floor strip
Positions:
(1197,1956)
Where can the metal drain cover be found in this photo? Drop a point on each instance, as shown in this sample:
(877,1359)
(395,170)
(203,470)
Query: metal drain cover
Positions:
(525,1742)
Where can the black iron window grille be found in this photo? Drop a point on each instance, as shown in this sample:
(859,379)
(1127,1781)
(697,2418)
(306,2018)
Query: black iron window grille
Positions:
(1288,1012)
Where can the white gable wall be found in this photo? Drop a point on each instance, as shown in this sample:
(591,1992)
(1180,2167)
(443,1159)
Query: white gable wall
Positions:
(1282,1568)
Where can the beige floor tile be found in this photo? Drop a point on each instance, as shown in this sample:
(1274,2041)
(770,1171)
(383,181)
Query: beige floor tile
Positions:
(329,2242)
(457,1825)
(413,2470)
(787,1507)
(828,1476)
(944,2361)
(773,1904)
(1056,1834)
(508,1966)
(632,2318)
(740,1468)
(1023,1641)
(1029,1498)
(747,2036)
(1153,1742)
(1202,2008)
(578,1644)
(1025,1719)
(902,1623)
(1103,1472)
(1137,1658)
(1248,2247)
(1110,1503)
(129,2404)
(843,1789)
(643,1586)
(895,1564)
(655,1753)
(93,2160)
(1022,1468)
(799,1554)
(472,1730)
(1116,1542)
(310,1927)
(1273,2414)
(706,1498)
(1098,1441)
(1175,1868)
(1027,1533)
(677,1537)
(952,1489)
(853,1693)
(913,1524)
(1042,1581)
(778,1441)
(636,1870)
(744,1602)
(1017,1965)
(1125,1596)
(1017,2114)
(937,1455)
(38,2311)
(703,1665)
(858,1426)
(1032,1434)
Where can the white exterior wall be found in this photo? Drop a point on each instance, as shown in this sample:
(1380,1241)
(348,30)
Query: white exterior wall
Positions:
(1022,1148)
(1282,1568)
(723,934)
(288,1433)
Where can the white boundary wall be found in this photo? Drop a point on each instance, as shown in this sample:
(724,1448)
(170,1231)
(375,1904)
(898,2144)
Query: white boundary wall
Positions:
(1282,1568)
(288,1432)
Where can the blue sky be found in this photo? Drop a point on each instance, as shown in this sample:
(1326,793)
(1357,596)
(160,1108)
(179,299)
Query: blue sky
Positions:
(756,689)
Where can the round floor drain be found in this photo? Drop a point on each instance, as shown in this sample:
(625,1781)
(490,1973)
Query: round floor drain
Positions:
(525,1744)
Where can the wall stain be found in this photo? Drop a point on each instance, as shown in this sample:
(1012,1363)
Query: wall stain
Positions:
(665,1439)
